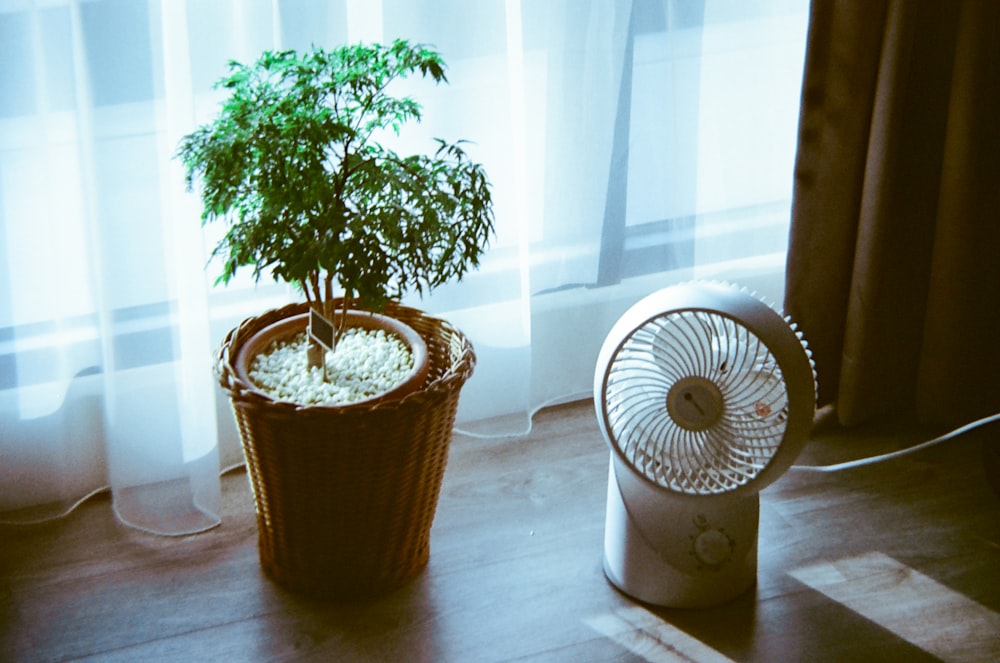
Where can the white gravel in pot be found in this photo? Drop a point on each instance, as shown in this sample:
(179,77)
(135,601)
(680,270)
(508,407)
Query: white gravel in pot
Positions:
(367,363)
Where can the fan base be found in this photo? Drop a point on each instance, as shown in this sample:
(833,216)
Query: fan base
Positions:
(673,552)
(680,594)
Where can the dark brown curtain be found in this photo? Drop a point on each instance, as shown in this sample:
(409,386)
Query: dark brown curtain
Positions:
(894,255)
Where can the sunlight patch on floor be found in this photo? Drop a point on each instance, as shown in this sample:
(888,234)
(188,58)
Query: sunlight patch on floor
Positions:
(916,608)
(654,640)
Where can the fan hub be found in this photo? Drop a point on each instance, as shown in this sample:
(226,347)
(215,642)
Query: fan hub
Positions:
(695,403)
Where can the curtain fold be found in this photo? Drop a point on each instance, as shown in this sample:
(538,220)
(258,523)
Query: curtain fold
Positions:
(891,271)
(109,319)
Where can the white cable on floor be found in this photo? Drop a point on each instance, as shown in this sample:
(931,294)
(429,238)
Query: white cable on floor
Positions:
(902,452)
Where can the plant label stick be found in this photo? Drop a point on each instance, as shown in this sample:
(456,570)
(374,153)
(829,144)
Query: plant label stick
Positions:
(321,331)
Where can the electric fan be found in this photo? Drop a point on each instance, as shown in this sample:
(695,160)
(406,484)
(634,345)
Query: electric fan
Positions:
(705,395)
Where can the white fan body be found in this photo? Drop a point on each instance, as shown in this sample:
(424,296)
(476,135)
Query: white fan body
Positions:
(674,553)
(705,395)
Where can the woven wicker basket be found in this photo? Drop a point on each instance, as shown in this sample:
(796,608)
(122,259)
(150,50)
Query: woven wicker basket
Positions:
(345,496)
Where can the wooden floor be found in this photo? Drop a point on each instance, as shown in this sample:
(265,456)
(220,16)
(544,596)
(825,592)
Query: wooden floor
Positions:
(898,562)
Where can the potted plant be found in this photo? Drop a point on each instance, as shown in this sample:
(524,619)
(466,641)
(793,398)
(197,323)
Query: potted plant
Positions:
(297,165)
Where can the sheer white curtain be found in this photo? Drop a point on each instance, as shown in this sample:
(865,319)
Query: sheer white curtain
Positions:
(631,144)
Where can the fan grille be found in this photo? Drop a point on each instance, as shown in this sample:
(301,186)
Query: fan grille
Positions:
(696,402)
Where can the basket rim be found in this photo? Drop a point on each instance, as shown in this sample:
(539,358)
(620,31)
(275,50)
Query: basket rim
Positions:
(242,393)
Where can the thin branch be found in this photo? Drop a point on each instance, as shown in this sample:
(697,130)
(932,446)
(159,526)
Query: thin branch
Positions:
(328,298)
(314,279)
(345,306)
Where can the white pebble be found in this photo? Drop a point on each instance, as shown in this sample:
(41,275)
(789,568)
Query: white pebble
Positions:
(367,363)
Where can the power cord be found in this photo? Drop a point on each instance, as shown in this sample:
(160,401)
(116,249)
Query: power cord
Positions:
(871,460)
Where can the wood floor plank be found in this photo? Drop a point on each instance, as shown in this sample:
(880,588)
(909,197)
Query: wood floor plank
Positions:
(515,571)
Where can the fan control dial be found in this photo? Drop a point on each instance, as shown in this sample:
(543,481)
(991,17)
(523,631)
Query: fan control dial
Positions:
(713,547)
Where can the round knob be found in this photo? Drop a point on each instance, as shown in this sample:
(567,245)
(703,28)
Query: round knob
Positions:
(713,547)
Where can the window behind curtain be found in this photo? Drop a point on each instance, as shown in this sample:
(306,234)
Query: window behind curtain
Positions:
(631,145)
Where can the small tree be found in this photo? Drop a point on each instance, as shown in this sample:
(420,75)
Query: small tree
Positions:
(293,167)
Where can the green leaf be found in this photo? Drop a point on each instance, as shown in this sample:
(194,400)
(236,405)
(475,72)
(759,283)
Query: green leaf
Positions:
(291,166)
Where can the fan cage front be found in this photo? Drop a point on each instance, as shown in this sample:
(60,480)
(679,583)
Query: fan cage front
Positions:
(737,428)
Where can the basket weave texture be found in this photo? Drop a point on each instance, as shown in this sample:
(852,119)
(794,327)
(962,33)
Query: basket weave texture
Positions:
(346,495)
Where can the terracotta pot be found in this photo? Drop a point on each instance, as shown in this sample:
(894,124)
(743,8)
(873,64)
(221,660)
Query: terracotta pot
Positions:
(288,328)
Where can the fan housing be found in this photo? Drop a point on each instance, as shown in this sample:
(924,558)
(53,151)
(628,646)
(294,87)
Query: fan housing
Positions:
(705,395)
